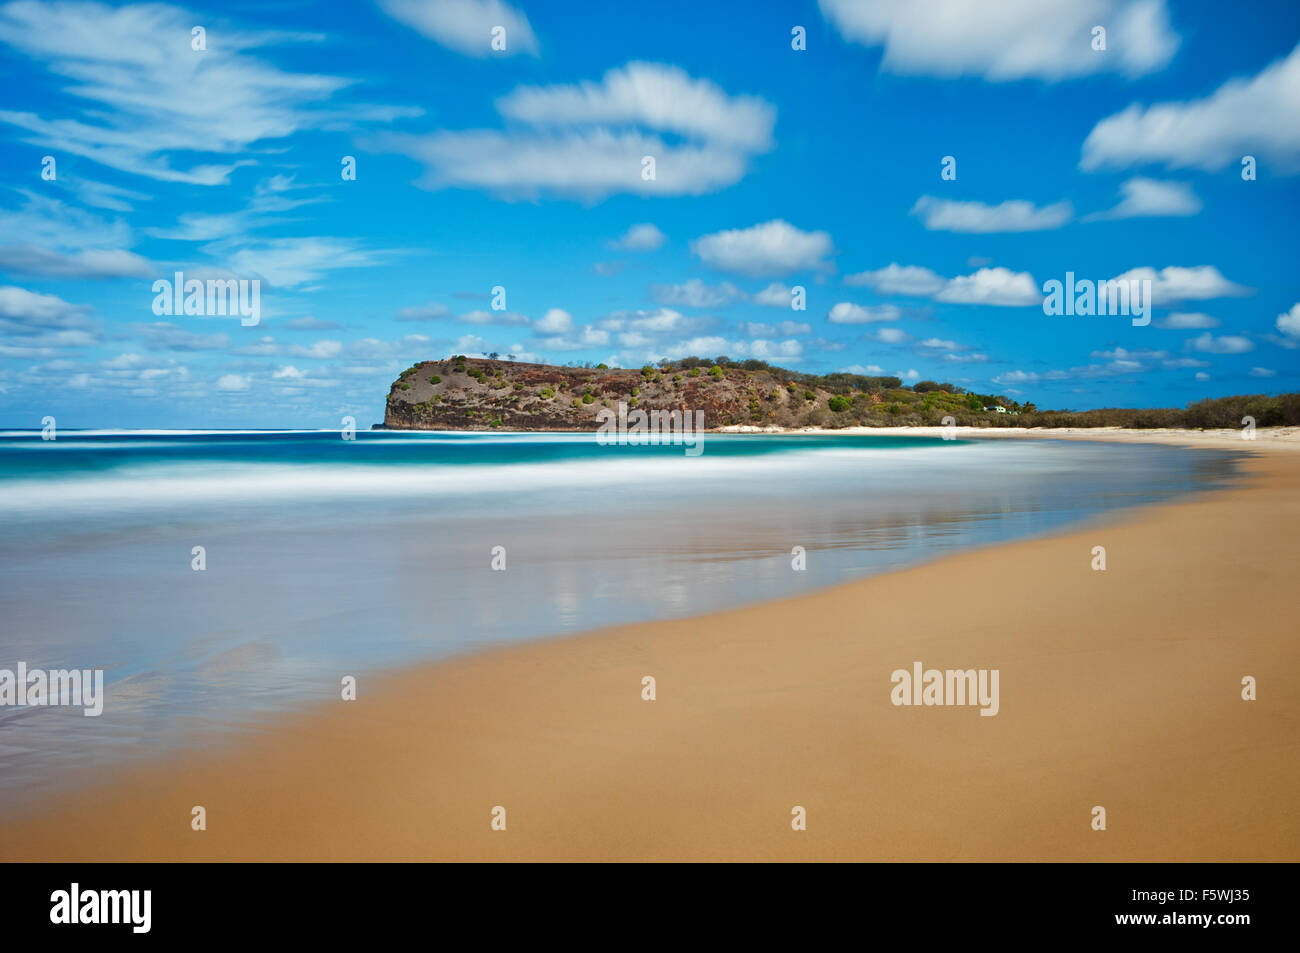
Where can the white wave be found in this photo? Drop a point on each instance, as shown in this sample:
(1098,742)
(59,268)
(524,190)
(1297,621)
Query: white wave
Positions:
(193,484)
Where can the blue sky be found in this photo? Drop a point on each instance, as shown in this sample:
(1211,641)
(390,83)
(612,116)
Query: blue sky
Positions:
(522,169)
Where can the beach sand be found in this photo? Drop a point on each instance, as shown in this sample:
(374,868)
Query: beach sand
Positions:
(1119,689)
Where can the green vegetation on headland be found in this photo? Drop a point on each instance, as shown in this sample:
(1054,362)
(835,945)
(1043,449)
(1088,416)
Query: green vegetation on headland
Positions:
(462,393)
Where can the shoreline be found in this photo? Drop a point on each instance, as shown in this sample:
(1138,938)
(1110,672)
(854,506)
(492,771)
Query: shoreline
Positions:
(1285,438)
(1118,688)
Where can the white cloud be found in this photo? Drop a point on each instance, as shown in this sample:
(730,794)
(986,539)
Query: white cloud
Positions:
(1288,322)
(91,263)
(470,344)
(910,280)
(1010,39)
(993,286)
(1199,282)
(758,329)
(165,336)
(554,321)
(1227,344)
(100,194)
(588,140)
(696,294)
(585,164)
(1202,376)
(1086,372)
(61,241)
(657,321)
(320,350)
(38,325)
(1186,321)
(1150,198)
(233,382)
(466,25)
(772,248)
(939,344)
(848,313)
(644,237)
(287,262)
(1014,215)
(148,98)
(892,336)
(1262,372)
(869,370)
(910,375)
(586,337)
(287,372)
(27,312)
(1257,116)
(762,349)
(652,95)
(775,295)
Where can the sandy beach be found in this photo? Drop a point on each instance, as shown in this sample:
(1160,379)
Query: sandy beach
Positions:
(1120,689)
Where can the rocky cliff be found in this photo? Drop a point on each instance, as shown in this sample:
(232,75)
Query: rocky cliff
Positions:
(480,394)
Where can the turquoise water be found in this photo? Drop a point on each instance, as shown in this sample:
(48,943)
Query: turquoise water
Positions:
(328,557)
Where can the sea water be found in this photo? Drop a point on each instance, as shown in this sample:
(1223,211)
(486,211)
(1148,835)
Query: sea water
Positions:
(218,578)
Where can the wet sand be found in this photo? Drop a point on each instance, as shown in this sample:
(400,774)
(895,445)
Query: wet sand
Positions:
(1119,689)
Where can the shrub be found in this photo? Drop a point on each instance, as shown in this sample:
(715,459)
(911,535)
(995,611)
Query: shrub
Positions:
(809,395)
(839,404)
(404,385)
(648,372)
(546,393)
(716,372)
(435,379)
(694,372)
(587,398)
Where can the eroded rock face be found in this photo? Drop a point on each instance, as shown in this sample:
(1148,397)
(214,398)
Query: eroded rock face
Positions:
(480,394)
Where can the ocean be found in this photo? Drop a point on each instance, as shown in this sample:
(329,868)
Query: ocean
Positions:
(323,557)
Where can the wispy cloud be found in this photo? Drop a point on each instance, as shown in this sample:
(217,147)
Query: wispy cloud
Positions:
(1010,39)
(151,97)
(466,25)
(1015,215)
(1150,198)
(589,140)
(1258,116)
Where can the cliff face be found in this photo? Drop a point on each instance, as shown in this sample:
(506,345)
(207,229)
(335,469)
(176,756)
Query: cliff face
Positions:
(479,394)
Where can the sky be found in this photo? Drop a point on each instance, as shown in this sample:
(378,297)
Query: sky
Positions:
(410,179)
